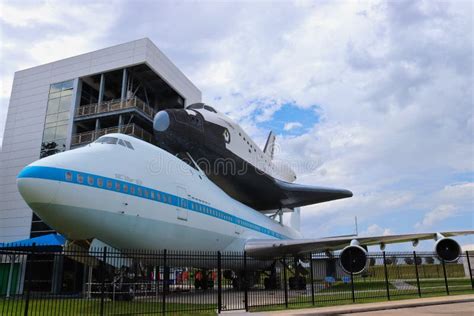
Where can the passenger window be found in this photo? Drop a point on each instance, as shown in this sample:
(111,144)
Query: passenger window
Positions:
(125,187)
(109,184)
(80,178)
(145,191)
(139,191)
(132,189)
(90,180)
(100,182)
(158,197)
(68,176)
(152,195)
(117,186)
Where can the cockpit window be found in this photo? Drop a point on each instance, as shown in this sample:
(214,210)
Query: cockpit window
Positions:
(107,140)
(195,106)
(114,141)
(122,143)
(128,144)
(210,108)
(199,106)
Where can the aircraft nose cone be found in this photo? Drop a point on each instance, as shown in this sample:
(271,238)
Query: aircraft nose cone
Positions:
(161,122)
(36,186)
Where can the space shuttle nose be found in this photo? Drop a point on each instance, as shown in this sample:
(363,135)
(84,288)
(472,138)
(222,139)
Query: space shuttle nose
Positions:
(161,122)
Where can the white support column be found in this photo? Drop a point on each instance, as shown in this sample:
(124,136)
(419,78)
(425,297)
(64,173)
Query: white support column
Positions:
(101,89)
(123,95)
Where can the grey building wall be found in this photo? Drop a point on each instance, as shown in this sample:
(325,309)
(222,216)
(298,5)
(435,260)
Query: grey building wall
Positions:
(27,109)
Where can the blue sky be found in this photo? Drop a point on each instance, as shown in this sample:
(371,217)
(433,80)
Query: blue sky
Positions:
(372,96)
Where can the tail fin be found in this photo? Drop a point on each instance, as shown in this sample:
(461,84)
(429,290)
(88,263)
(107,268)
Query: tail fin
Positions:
(270,145)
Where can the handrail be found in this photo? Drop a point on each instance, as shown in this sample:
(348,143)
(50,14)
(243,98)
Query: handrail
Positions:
(130,129)
(115,105)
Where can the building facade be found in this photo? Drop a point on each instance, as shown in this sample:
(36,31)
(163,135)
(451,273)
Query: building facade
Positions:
(71,102)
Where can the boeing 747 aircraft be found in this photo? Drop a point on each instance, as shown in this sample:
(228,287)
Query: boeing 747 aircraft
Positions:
(130,194)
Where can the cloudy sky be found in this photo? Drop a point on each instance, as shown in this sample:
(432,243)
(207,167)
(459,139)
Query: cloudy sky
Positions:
(372,96)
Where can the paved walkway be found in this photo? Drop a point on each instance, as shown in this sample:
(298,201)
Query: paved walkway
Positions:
(372,307)
(457,309)
(402,285)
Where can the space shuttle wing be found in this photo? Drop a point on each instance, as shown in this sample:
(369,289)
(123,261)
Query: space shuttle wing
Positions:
(276,248)
(295,195)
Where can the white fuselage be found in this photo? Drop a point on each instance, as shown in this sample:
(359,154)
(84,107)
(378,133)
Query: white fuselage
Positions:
(140,198)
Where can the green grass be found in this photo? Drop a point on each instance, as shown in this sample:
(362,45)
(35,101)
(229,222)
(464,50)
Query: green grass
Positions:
(358,286)
(92,307)
(336,301)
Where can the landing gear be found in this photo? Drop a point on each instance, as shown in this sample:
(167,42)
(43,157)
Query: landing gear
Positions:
(297,283)
(272,281)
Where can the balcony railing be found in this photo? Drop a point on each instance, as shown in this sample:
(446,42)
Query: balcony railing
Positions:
(130,129)
(115,105)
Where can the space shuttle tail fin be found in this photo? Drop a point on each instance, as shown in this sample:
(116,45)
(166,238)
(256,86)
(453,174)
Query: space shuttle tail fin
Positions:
(270,145)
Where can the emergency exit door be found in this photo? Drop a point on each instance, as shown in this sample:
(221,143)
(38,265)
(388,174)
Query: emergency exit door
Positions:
(182,208)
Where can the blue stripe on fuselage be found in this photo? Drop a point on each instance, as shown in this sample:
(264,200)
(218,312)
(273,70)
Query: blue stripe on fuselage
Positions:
(119,186)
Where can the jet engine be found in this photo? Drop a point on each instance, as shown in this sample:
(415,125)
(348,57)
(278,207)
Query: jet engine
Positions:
(353,258)
(447,249)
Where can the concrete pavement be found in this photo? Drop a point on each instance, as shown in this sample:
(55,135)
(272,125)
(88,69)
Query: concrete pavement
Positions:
(458,305)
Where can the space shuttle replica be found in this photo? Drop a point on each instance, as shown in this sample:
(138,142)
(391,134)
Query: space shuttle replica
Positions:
(231,159)
(206,186)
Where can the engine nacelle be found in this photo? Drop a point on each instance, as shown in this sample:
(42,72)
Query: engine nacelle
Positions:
(353,259)
(447,249)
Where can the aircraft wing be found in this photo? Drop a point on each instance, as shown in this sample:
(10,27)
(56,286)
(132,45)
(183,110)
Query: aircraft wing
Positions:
(277,248)
(295,195)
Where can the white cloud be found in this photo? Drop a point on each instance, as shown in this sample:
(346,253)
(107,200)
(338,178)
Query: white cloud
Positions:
(292,125)
(438,215)
(376,230)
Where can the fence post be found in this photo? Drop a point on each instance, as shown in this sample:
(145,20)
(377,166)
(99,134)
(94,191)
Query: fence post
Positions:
(416,272)
(285,282)
(311,276)
(445,277)
(165,280)
(102,290)
(244,282)
(469,267)
(28,289)
(219,282)
(387,287)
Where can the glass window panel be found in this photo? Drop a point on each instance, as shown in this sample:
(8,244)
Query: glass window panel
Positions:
(53,106)
(48,134)
(52,118)
(49,125)
(54,95)
(67,84)
(55,87)
(66,93)
(61,131)
(63,116)
(65,104)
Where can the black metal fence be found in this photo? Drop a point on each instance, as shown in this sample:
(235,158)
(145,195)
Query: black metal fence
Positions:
(44,281)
